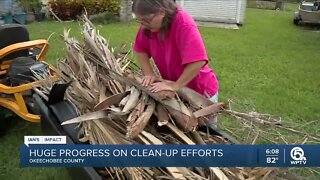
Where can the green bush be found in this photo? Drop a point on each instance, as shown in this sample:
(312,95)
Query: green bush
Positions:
(104,18)
(72,9)
(98,6)
(30,5)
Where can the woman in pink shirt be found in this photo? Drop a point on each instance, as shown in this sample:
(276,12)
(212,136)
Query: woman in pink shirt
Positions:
(171,38)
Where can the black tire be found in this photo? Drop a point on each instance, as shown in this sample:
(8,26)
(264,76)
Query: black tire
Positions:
(297,21)
(6,120)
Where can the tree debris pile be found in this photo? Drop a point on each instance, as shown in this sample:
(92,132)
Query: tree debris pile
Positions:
(115,109)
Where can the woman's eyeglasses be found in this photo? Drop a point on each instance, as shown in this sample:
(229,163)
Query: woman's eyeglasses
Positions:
(146,20)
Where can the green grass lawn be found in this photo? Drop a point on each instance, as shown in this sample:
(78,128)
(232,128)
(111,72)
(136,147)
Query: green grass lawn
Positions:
(269,65)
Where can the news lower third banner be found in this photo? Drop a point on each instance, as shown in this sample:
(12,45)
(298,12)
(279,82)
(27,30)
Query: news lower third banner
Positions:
(47,151)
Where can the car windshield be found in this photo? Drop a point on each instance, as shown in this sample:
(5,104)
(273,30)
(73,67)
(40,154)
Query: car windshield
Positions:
(310,6)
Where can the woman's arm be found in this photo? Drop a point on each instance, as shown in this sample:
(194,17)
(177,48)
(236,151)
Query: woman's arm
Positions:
(190,71)
(144,62)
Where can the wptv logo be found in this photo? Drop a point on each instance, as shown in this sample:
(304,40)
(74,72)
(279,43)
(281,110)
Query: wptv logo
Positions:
(297,154)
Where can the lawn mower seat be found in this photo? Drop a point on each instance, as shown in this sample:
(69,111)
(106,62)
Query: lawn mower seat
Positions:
(17,60)
(11,34)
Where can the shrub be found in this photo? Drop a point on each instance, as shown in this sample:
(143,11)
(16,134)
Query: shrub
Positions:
(104,18)
(98,6)
(30,5)
(66,10)
(72,9)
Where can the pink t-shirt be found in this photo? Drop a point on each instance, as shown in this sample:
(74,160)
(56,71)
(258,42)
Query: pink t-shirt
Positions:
(182,45)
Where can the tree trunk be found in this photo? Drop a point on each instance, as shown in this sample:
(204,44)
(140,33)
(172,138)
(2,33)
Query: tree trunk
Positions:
(279,5)
(125,10)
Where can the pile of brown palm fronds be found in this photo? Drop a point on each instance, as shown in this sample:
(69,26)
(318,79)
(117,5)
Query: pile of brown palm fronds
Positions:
(271,129)
(115,109)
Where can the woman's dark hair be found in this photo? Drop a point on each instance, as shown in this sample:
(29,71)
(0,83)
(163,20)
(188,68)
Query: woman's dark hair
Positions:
(147,7)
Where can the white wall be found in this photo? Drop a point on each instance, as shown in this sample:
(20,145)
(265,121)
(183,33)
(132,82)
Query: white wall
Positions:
(226,11)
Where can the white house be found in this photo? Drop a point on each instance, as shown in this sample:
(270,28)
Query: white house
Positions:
(221,11)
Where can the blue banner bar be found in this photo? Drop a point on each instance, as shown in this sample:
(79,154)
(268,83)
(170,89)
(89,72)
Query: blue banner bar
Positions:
(170,155)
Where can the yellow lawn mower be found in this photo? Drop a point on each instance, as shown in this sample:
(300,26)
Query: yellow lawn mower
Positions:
(20,58)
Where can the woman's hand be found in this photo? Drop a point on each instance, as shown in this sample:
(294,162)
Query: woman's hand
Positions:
(163,85)
(148,80)
(144,62)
